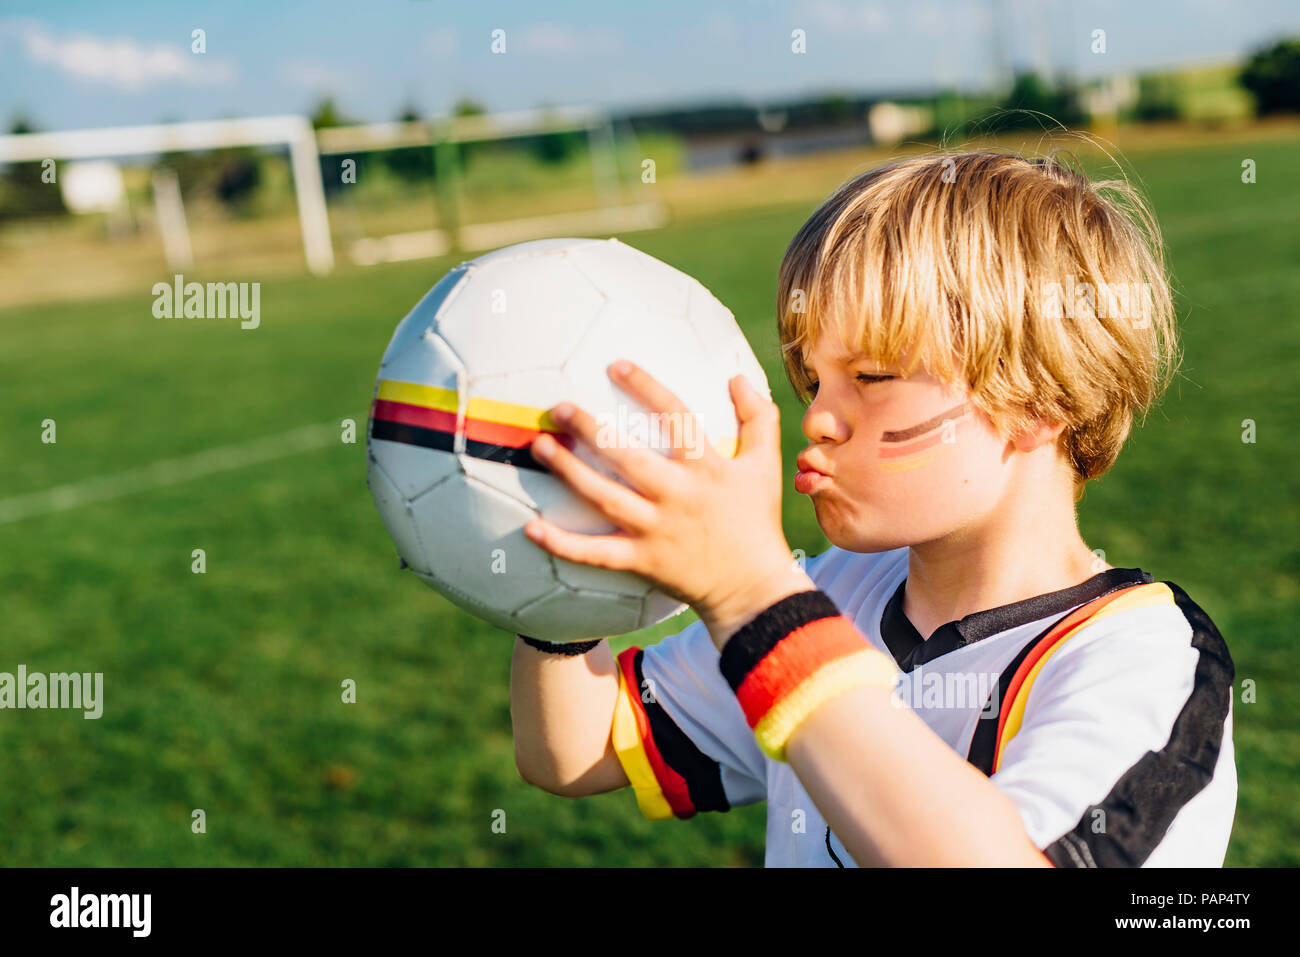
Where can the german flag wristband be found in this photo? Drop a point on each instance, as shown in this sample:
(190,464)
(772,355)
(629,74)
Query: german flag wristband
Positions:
(794,657)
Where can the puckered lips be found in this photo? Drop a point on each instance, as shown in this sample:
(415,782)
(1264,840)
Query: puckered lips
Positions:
(811,475)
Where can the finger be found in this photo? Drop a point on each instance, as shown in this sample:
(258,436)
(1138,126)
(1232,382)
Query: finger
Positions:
(644,469)
(622,506)
(686,438)
(616,551)
(759,418)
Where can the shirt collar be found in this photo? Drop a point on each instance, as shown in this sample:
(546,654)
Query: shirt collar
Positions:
(910,649)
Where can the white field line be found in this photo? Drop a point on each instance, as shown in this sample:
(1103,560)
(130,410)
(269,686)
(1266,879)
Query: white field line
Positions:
(101,488)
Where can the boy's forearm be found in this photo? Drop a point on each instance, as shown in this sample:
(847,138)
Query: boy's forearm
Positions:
(819,696)
(897,795)
(561,710)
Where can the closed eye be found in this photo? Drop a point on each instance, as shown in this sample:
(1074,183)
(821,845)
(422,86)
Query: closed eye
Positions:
(866,378)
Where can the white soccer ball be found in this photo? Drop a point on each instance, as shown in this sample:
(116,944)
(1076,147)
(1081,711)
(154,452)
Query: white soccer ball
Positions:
(464,387)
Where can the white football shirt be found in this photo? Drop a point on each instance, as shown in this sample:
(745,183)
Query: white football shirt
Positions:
(1116,745)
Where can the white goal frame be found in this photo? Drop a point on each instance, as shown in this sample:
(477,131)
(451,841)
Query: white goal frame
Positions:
(294,131)
(445,133)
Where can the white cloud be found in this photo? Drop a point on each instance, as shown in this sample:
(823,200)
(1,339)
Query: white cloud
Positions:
(928,20)
(121,61)
(443,42)
(315,77)
(720,28)
(869,18)
(556,39)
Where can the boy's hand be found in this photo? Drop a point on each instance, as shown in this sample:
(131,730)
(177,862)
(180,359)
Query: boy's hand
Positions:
(704,528)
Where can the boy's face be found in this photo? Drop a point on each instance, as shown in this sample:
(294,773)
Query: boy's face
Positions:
(905,460)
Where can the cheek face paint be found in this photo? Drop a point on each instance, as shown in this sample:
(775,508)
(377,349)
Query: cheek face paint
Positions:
(921,444)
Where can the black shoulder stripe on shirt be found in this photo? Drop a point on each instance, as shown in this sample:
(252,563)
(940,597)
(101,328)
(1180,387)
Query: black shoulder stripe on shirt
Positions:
(703,775)
(984,742)
(1145,800)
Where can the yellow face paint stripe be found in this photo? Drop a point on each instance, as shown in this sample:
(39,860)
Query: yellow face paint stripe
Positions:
(907,464)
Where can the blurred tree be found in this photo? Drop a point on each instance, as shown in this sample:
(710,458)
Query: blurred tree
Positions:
(1273,76)
(1157,99)
(230,175)
(835,108)
(411,163)
(327,113)
(556,147)
(24,192)
(1031,96)
(194,170)
(238,175)
(467,107)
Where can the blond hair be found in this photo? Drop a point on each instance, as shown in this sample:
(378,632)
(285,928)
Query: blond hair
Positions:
(979,265)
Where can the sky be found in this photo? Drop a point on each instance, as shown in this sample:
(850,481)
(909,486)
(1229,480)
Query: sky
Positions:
(67,64)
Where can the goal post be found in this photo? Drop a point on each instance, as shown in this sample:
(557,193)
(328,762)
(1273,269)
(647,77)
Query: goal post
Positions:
(458,225)
(446,135)
(294,131)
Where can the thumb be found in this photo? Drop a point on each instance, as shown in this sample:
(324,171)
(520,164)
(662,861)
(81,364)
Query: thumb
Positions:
(760,421)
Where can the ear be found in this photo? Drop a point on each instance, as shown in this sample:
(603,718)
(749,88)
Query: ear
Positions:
(1042,433)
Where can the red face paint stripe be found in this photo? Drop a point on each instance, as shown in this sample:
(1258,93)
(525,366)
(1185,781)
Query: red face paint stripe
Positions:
(911,448)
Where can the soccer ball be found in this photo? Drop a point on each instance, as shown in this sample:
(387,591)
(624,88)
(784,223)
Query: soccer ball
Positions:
(464,388)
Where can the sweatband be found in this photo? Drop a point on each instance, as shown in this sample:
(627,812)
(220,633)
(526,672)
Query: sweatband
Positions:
(563,648)
(795,656)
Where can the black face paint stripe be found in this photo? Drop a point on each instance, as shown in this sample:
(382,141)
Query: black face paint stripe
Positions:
(930,425)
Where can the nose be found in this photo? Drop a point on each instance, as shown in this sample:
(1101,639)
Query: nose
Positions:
(820,425)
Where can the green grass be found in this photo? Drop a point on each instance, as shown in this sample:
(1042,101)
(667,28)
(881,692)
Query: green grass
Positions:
(222,691)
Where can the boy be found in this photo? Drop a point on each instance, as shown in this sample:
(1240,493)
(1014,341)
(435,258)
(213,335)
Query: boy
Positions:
(959,680)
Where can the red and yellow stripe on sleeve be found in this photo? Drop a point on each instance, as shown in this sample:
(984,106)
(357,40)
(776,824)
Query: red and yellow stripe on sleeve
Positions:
(670,776)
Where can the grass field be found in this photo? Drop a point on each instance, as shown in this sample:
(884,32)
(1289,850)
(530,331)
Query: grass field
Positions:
(222,690)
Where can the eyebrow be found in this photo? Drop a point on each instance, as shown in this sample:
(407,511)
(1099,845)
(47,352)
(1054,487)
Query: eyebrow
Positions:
(845,359)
